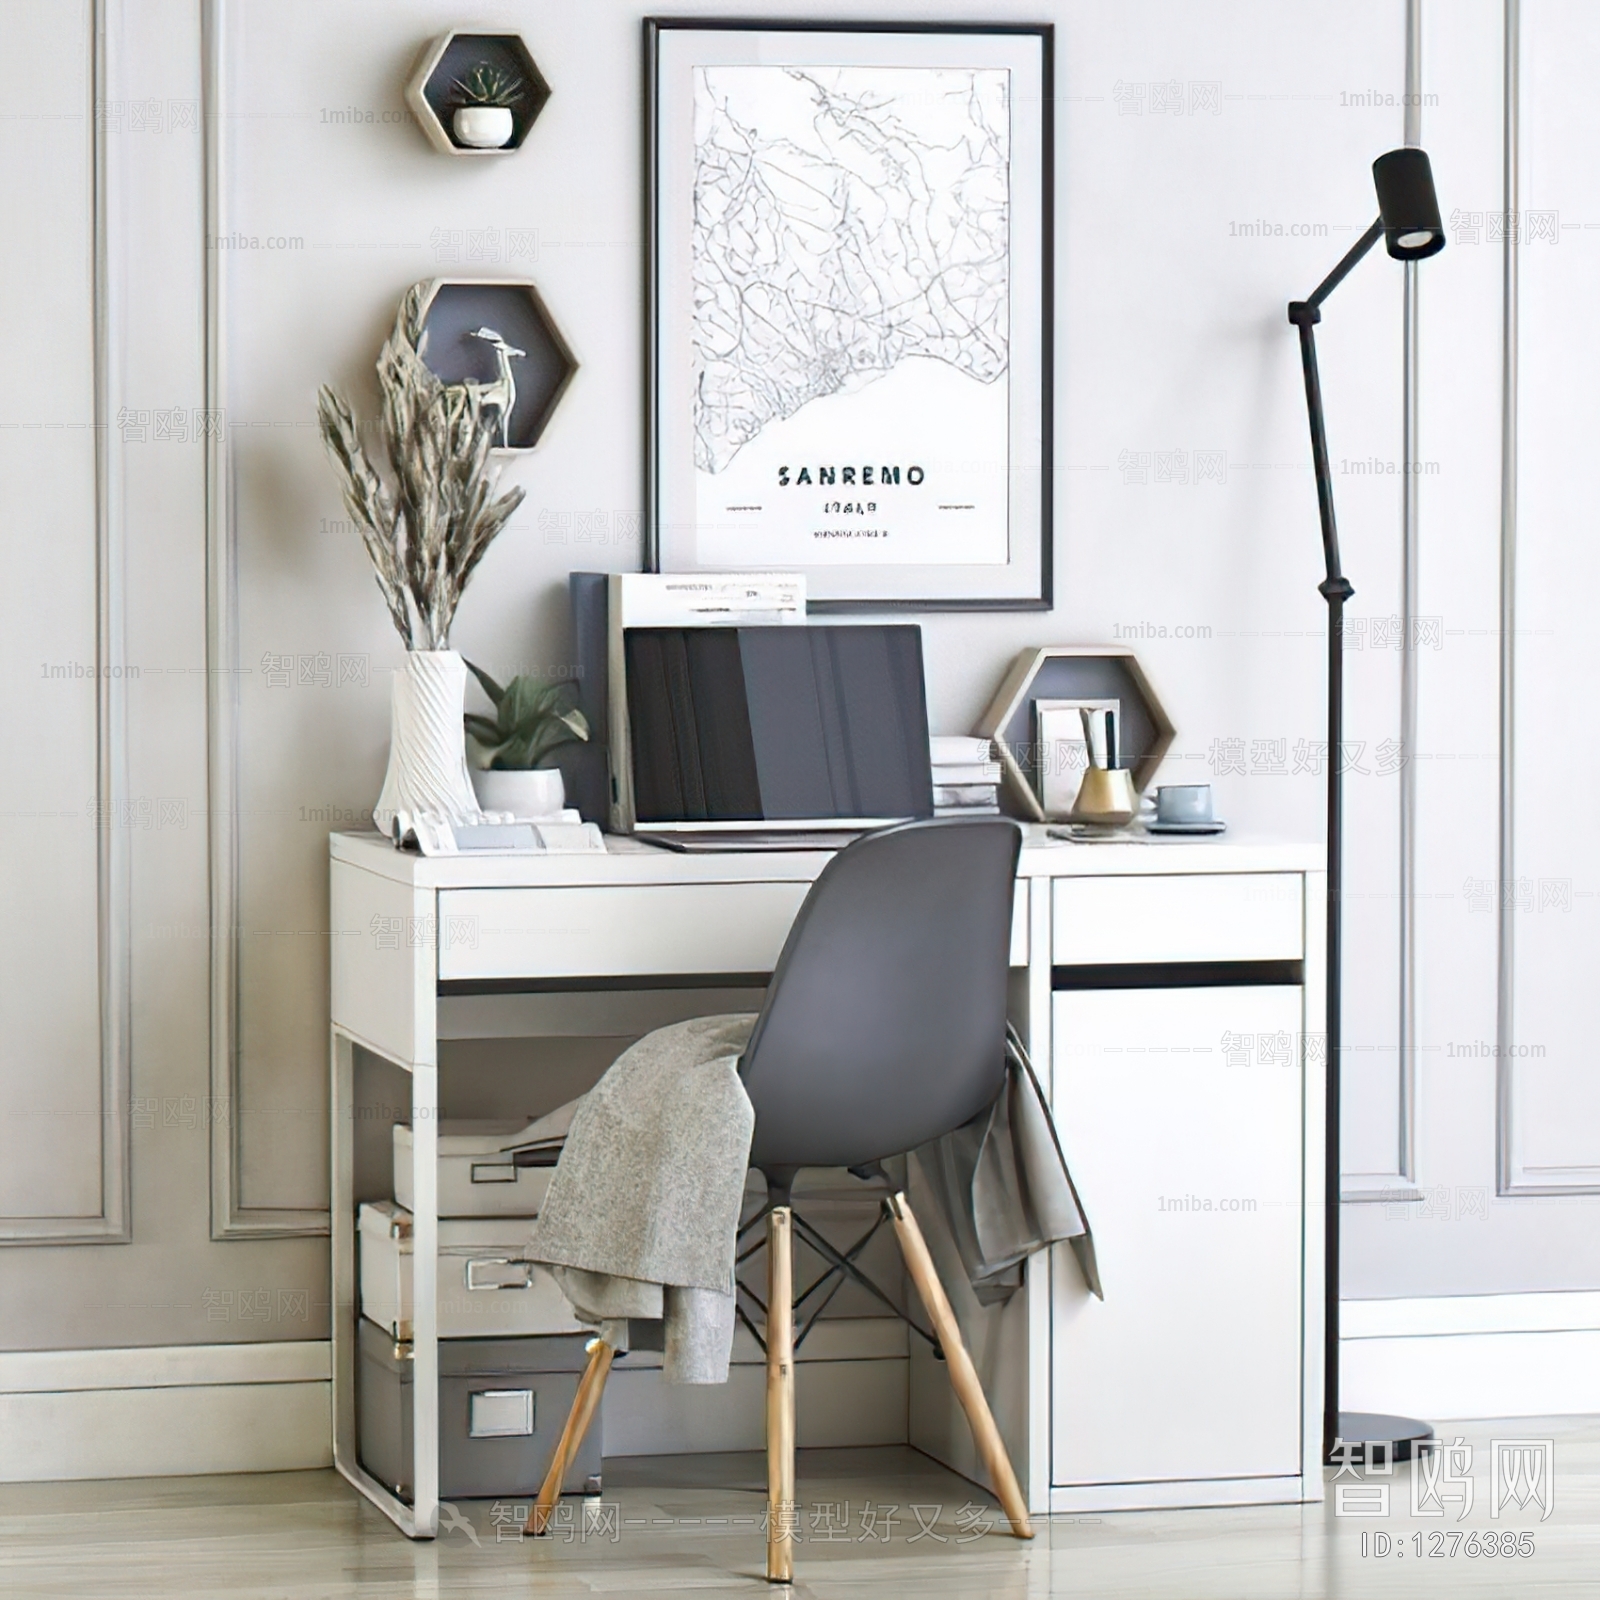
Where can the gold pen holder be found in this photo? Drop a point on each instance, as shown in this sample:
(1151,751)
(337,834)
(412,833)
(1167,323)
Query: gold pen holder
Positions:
(1106,797)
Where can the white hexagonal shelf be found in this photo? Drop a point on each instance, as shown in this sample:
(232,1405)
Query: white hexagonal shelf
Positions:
(1095,673)
(440,87)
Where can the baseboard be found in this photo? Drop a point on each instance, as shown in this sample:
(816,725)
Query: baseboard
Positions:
(191,1409)
(851,1387)
(170,1411)
(836,1403)
(1195,1494)
(183,1410)
(1501,1355)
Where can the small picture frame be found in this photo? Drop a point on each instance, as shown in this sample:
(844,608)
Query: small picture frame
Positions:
(1060,751)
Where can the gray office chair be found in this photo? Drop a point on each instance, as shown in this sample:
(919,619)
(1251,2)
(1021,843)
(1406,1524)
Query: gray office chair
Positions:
(884,1027)
(885,1022)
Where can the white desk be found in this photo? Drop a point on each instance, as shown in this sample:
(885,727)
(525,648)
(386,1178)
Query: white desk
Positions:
(1171,993)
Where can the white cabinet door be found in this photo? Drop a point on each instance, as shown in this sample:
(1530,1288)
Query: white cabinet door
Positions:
(1189,1167)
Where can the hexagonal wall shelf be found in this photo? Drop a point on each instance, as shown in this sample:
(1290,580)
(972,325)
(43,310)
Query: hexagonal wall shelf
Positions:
(1092,672)
(458,317)
(435,95)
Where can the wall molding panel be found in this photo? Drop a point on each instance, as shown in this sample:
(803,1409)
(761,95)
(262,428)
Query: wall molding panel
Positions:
(230,1217)
(1517,1171)
(1384,1182)
(113,1224)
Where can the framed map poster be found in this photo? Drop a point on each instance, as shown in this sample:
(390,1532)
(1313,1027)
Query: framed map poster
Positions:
(849,337)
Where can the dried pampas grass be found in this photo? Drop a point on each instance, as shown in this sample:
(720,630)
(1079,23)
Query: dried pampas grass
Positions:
(427,533)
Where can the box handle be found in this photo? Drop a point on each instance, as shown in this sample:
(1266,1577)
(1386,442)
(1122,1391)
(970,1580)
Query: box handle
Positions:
(494,1172)
(500,1413)
(499,1272)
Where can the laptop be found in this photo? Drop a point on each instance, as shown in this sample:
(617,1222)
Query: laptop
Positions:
(781,737)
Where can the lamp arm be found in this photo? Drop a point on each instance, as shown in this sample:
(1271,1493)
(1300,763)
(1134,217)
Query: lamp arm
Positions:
(1340,272)
(1305,316)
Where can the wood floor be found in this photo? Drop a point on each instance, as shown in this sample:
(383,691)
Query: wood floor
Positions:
(690,1525)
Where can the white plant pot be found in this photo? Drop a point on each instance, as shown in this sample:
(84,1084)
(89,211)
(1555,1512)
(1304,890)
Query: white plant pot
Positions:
(427,743)
(483,127)
(527,795)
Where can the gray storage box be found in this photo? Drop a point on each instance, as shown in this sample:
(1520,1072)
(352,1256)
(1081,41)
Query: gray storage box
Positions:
(502,1405)
(484,1290)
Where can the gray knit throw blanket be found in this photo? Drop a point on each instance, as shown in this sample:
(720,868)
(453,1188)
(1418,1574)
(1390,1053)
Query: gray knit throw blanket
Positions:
(639,1221)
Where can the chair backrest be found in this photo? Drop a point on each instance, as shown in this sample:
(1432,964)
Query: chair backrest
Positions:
(884,1025)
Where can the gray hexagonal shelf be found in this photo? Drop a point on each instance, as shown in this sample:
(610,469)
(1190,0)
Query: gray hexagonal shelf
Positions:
(458,314)
(434,93)
(1088,672)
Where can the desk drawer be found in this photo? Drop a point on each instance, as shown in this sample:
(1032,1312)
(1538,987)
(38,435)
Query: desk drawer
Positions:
(1256,916)
(627,931)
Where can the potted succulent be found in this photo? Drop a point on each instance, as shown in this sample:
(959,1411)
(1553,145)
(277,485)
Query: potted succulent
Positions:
(482,119)
(425,534)
(531,719)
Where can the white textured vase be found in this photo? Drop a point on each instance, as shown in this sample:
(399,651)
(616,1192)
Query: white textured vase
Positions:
(483,127)
(427,743)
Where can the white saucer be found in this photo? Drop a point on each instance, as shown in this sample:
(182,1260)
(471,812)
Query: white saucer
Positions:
(1186,827)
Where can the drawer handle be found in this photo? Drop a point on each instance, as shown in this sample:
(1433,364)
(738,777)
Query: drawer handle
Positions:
(1178,975)
(499,1272)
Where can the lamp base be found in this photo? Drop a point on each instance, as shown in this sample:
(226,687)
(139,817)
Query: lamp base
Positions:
(1367,1433)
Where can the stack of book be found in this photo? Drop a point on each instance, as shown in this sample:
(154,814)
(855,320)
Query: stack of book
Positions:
(966,777)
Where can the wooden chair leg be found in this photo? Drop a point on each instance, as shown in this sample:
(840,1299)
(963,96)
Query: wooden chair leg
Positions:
(963,1375)
(780,1396)
(590,1387)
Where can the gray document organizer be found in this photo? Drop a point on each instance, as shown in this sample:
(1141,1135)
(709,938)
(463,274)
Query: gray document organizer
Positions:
(502,1404)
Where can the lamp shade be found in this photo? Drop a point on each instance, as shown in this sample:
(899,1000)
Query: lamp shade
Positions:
(1408,205)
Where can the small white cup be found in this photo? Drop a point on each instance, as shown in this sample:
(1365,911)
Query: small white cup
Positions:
(1184,802)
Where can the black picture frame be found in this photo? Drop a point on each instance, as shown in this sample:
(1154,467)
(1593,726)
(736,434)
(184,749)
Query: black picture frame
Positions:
(1028,583)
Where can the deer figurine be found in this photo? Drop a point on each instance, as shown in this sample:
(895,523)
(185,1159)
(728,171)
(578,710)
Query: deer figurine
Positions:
(502,393)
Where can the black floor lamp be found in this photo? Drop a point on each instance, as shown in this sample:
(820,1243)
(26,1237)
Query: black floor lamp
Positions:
(1408,222)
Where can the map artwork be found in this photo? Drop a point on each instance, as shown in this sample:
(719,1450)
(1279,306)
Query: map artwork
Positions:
(850,273)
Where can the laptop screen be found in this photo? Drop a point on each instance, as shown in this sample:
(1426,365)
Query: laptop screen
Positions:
(768,725)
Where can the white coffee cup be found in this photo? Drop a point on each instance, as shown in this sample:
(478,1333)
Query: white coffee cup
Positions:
(1184,802)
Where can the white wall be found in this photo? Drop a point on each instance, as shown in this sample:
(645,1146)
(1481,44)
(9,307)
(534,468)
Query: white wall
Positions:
(1171,337)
